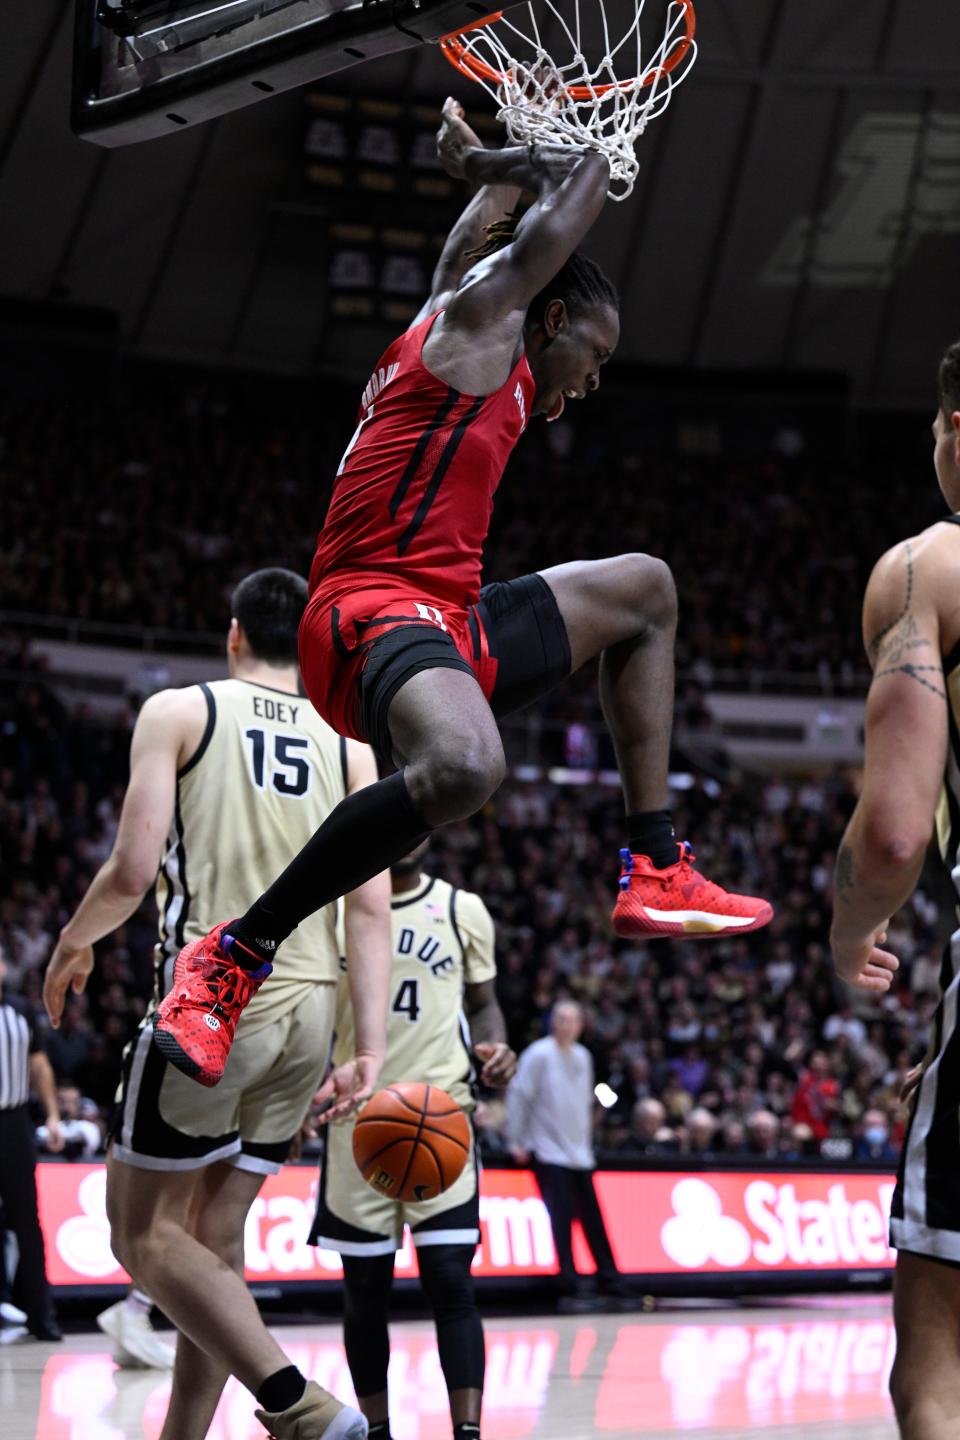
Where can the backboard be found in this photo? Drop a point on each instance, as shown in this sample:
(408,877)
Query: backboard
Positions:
(145,68)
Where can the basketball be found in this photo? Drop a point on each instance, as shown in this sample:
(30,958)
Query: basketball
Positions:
(411,1141)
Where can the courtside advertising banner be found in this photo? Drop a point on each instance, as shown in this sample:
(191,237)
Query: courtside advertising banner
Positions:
(660,1224)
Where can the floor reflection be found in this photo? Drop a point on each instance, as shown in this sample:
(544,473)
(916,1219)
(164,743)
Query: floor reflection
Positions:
(609,1375)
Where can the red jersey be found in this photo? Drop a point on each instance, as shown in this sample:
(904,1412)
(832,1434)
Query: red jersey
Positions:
(414,493)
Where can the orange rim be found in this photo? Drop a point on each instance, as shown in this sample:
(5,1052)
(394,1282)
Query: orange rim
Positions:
(476,69)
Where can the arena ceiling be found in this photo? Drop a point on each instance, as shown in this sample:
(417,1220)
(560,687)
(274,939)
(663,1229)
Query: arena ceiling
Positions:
(798,207)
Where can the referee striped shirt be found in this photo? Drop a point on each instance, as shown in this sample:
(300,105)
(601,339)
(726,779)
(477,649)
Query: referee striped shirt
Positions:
(18,1041)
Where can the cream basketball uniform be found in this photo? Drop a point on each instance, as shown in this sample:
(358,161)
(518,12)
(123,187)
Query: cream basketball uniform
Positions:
(267,773)
(925,1210)
(443,939)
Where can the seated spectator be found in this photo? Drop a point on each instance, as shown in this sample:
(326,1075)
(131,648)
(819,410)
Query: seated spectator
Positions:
(701,1128)
(565,953)
(81,1133)
(647,1127)
(69,1046)
(683,1024)
(690,1070)
(872,1144)
(32,944)
(638,1084)
(607,1020)
(677,1102)
(845,1022)
(797,1142)
(632,1042)
(733,1139)
(817,1097)
(874,1053)
(780,967)
(860,1092)
(763,1135)
(778,1095)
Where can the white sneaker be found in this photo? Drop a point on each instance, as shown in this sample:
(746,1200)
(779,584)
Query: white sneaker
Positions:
(136,1345)
(12,1314)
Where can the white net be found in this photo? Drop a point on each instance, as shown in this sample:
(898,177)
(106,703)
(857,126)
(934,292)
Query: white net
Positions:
(604,95)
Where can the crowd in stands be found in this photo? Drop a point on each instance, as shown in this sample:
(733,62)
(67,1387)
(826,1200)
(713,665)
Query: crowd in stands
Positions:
(61,785)
(166,489)
(741,1048)
(746,1049)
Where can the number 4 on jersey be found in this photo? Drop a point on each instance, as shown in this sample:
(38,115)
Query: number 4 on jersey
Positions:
(407,1000)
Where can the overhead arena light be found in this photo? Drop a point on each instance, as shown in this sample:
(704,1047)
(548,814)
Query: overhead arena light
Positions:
(145,68)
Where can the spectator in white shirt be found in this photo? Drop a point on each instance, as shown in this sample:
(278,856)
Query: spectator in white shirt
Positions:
(845,1022)
(31,945)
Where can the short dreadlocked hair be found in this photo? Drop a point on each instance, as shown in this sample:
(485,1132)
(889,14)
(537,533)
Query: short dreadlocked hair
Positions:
(580,283)
(948,380)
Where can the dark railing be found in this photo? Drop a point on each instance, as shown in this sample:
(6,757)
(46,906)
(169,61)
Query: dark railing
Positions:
(850,682)
(101,632)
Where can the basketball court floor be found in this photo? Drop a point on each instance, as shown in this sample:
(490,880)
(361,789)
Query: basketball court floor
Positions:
(812,1369)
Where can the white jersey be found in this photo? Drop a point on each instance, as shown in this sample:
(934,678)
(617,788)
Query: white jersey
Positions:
(443,939)
(926,1200)
(265,776)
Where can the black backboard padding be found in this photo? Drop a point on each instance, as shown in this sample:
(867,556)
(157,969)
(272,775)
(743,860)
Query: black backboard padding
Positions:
(362,31)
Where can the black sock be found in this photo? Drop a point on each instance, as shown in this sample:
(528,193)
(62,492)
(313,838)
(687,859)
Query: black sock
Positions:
(650,832)
(281,1389)
(467,1430)
(365,834)
(379,1430)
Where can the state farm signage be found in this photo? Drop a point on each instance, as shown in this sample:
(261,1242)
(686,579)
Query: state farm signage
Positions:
(717,1222)
(659,1224)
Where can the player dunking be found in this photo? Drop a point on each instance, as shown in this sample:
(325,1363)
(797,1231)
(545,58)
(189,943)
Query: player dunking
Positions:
(399,645)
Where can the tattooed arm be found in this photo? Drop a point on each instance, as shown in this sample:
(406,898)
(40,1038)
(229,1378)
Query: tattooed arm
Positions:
(879,861)
(909,642)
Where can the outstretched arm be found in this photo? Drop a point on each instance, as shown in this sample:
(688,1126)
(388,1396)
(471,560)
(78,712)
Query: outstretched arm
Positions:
(490,204)
(881,856)
(166,722)
(570,185)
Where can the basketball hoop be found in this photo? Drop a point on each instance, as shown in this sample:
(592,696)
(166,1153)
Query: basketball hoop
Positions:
(580,101)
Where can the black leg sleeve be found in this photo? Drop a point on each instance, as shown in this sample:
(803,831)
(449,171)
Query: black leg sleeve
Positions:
(366,1297)
(448,1285)
(365,834)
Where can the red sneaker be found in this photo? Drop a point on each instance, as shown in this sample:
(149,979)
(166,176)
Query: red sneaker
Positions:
(195,1022)
(680,901)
